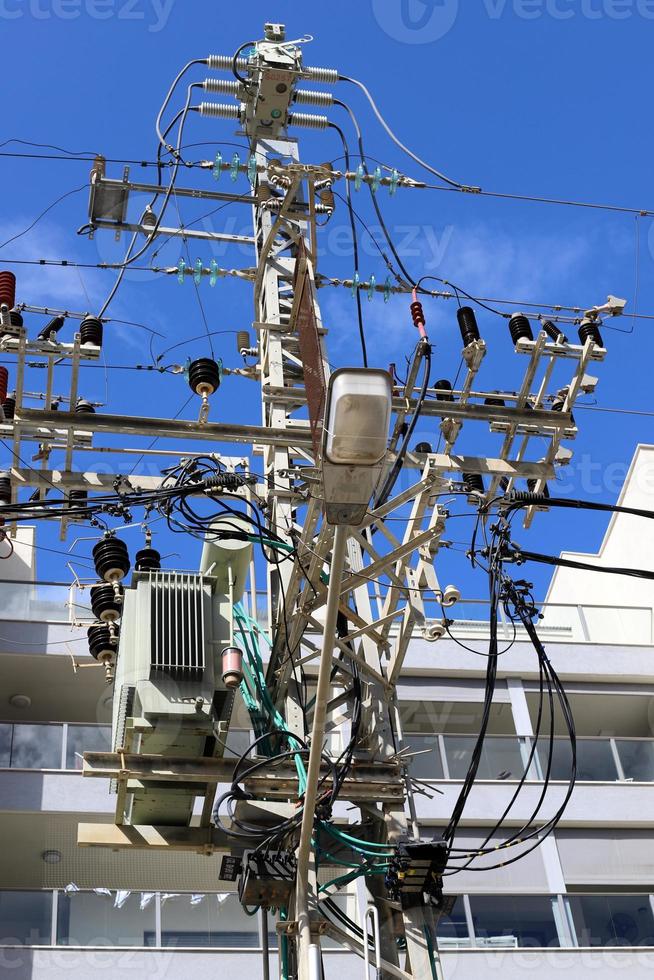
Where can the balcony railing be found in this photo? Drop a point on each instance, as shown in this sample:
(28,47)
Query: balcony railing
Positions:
(505,757)
(105,918)
(57,602)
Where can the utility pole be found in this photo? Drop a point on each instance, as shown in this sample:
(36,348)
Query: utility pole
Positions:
(325,606)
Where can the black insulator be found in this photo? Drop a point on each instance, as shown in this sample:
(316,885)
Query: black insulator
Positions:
(444,390)
(559,401)
(520,328)
(467,325)
(553,332)
(83,407)
(5,487)
(204,376)
(91,331)
(9,407)
(15,318)
(100,640)
(54,326)
(111,559)
(492,400)
(147,560)
(423,447)
(54,405)
(78,498)
(417,314)
(532,488)
(589,330)
(504,484)
(105,604)
(473,482)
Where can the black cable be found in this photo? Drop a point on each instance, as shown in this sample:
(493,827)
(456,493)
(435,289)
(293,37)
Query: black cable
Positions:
(355,244)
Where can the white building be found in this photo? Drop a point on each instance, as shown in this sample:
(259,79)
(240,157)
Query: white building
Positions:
(582,902)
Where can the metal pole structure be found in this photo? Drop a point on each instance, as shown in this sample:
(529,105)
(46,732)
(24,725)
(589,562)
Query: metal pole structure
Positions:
(263,923)
(315,751)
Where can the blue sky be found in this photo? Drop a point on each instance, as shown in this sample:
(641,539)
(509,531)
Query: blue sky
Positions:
(541,97)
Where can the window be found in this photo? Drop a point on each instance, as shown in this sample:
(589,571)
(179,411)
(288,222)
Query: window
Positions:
(91,919)
(500,757)
(207,920)
(613,920)
(637,758)
(509,921)
(36,746)
(86,738)
(452,929)
(25,918)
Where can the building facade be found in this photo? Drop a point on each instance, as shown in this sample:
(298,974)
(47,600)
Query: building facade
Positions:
(583,902)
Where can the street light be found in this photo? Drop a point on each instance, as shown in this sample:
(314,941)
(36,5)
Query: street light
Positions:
(355,438)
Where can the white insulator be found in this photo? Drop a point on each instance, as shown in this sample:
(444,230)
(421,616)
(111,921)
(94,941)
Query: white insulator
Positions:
(219,109)
(327,75)
(306,97)
(221,85)
(308,120)
(224,62)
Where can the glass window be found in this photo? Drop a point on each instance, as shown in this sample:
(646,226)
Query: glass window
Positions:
(25,918)
(89,919)
(452,929)
(500,759)
(207,920)
(86,738)
(637,759)
(36,747)
(613,920)
(428,764)
(506,921)
(595,761)
(5,745)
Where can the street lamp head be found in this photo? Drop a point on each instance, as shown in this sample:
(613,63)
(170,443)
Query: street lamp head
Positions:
(355,439)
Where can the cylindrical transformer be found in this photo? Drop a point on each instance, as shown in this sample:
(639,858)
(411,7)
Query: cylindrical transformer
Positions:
(226,554)
(232,667)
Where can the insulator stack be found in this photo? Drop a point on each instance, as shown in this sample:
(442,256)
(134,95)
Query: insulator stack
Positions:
(242,341)
(78,498)
(84,407)
(473,482)
(308,119)
(418,315)
(91,331)
(219,110)
(204,376)
(7,288)
(306,97)
(559,401)
(53,326)
(225,86)
(15,318)
(328,76)
(232,667)
(223,62)
(589,330)
(553,332)
(520,328)
(147,560)
(444,390)
(4,381)
(111,559)
(5,487)
(9,407)
(494,400)
(467,325)
(532,489)
(105,602)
